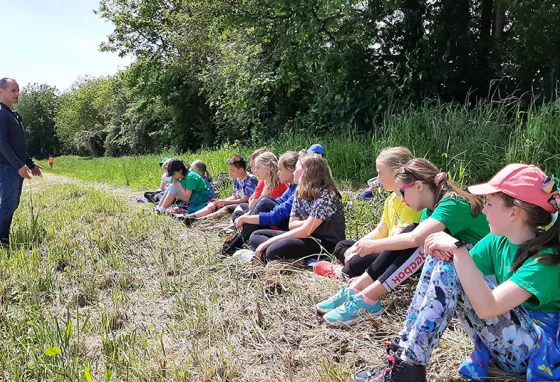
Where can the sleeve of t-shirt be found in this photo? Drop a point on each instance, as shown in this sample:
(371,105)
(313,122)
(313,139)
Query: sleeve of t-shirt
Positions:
(258,190)
(385,216)
(249,187)
(295,208)
(482,253)
(540,279)
(191,182)
(452,214)
(324,206)
(236,187)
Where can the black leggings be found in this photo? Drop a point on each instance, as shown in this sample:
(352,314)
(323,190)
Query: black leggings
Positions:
(392,268)
(289,248)
(380,266)
(265,204)
(357,264)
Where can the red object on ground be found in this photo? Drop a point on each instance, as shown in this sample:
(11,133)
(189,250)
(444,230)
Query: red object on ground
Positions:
(326,268)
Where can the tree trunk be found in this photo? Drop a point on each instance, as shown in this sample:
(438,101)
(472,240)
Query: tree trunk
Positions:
(499,21)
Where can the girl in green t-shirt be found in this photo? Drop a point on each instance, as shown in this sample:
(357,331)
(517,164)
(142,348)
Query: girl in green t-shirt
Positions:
(396,218)
(446,208)
(186,185)
(513,317)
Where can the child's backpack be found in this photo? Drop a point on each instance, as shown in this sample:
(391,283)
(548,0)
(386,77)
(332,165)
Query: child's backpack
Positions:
(232,244)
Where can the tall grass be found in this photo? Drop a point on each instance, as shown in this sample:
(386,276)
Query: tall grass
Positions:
(471,143)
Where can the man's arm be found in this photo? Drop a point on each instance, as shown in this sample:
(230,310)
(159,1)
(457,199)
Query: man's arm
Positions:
(6,147)
(29,162)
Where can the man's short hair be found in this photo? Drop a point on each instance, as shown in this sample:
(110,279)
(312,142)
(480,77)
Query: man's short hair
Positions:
(237,161)
(4,82)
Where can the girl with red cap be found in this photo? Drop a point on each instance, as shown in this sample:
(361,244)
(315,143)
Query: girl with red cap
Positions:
(505,290)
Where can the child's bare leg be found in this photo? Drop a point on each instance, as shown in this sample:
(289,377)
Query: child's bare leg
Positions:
(368,287)
(218,214)
(211,207)
(374,291)
(361,283)
(167,200)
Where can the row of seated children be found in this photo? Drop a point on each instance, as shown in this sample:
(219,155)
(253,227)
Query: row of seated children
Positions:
(513,318)
(493,265)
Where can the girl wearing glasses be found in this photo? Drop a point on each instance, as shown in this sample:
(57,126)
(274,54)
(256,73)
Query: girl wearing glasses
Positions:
(445,207)
(397,217)
(513,317)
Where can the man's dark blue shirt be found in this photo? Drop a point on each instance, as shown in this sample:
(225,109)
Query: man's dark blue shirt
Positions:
(13,145)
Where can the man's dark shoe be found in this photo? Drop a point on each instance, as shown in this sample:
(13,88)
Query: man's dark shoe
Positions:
(395,370)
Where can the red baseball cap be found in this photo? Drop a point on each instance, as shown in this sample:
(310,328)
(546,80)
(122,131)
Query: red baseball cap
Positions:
(520,181)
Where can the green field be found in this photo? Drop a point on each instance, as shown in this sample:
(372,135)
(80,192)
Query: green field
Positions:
(470,143)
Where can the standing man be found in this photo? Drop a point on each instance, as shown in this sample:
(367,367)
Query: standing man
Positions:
(15,163)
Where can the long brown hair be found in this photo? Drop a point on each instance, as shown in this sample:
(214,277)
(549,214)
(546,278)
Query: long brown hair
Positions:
(316,177)
(535,217)
(426,172)
(269,160)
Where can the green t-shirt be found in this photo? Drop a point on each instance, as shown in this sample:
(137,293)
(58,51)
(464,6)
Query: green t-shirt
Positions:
(494,255)
(194,182)
(455,215)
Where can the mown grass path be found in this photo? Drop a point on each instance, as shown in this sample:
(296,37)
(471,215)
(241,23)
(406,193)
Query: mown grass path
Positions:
(98,286)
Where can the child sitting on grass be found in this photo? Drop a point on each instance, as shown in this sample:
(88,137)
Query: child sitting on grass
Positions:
(446,207)
(316,220)
(514,319)
(266,170)
(269,213)
(260,185)
(200,168)
(165,181)
(243,187)
(396,214)
(186,185)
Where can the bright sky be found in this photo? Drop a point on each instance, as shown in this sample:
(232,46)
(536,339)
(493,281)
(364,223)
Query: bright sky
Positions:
(54,42)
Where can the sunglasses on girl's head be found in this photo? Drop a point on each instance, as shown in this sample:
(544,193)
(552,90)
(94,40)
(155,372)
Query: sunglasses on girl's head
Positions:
(401,189)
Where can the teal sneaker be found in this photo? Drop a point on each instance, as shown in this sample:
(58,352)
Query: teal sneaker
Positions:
(352,311)
(335,301)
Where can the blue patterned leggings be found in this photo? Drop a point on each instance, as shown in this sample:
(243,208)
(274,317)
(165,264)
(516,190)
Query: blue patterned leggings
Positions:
(439,295)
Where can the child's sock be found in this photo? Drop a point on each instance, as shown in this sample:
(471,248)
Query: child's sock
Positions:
(161,209)
(368,300)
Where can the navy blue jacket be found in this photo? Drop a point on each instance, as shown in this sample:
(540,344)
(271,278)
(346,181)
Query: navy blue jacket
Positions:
(281,213)
(13,145)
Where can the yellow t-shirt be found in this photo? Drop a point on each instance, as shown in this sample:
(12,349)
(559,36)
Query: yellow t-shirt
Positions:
(396,214)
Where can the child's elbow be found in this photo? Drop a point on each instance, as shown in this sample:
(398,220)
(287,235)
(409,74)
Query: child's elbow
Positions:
(486,313)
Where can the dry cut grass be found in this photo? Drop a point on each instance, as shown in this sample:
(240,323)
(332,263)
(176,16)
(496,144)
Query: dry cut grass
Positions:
(98,287)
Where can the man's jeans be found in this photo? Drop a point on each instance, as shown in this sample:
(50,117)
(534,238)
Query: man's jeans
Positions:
(11,185)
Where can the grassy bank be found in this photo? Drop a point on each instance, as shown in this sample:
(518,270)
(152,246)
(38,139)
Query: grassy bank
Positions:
(470,143)
(99,288)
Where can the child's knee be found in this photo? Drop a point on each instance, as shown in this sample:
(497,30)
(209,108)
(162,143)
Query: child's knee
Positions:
(442,267)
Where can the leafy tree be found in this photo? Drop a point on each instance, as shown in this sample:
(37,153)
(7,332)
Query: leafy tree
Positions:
(38,106)
(83,121)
